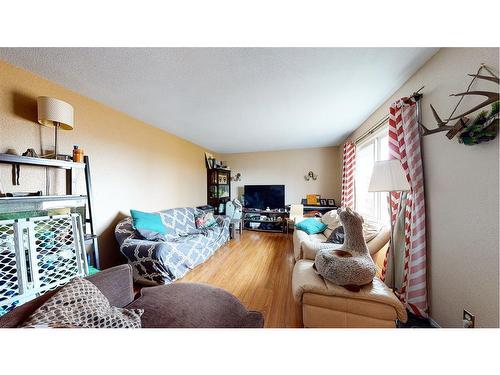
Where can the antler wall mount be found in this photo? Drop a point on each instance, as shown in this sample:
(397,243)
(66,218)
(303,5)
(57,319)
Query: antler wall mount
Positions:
(483,128)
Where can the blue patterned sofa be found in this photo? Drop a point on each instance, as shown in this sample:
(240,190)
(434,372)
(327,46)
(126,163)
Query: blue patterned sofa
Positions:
(162,262)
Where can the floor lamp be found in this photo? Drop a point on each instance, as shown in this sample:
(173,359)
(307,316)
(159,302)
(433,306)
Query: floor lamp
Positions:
(56,113)
(389,176)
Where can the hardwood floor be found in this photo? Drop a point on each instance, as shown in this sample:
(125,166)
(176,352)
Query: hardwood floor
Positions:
(256,268)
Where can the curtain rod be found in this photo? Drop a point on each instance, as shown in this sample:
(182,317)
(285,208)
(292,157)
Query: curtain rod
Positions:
(372,130)
(417,95)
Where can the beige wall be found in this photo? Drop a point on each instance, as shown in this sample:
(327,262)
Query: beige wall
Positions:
(288,168)
(462,194)
(134,165)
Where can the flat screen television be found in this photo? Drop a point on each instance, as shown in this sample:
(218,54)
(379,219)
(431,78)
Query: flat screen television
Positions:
(263,196)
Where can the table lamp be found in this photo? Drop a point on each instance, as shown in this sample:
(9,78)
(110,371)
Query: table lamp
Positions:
(56,113)
(388,176)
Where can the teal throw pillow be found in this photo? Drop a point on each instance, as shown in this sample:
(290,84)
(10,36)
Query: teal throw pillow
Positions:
(311,226)
(148,225)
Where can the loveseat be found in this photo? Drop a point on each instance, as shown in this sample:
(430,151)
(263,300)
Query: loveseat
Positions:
(164,261)
(184,305)
(305,246)
(326,305)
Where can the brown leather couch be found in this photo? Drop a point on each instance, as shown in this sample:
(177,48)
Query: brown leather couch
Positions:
(166,306)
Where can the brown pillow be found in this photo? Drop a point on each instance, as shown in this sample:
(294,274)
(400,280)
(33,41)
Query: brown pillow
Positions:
(81,304)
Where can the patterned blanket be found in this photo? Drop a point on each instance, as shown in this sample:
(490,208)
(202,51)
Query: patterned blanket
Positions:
(162,262)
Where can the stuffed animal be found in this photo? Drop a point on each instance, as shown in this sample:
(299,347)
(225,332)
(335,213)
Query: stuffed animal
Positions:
(350,266)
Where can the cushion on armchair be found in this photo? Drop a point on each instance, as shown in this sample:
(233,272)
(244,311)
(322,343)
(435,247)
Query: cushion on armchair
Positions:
(331,219)
(311,226)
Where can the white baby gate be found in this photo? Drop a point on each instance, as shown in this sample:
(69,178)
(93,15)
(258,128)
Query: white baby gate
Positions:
(39,254)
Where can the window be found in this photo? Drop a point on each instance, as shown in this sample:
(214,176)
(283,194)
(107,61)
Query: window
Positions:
(372,206)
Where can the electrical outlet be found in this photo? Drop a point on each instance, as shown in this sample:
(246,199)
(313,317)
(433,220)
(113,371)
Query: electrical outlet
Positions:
(469,320)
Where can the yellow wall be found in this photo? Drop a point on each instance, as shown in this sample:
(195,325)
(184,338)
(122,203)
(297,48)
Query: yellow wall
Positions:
(461,189)
(288,168)
(134,165)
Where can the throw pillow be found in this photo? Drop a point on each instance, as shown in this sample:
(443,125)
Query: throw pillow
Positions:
(205,220)
(331,218)
(370,231)
(81,304)
(311,226)
(148,225)
(337,236)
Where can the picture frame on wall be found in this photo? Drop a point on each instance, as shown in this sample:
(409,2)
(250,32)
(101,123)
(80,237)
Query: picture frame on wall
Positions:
(322,202)
(331,202)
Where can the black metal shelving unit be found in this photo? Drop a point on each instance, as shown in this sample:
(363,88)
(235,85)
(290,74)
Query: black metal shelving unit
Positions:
(69,166)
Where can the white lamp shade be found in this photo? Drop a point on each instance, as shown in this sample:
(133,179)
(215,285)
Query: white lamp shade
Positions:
(51,110)
(388,175)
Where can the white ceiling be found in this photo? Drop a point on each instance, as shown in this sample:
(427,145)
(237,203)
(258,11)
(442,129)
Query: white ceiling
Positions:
(234,99)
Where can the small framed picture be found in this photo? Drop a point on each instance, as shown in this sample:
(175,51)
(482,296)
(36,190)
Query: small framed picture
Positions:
(222,179)
(322,202)
(331,202)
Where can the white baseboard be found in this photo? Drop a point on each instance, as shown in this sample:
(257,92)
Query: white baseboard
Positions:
(434,323)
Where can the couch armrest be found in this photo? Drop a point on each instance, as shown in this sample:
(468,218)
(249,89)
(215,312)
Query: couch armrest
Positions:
(18,315)
(298,219)
(116,284)
(149,259)
(310,249)
(380,240)
(223,221)
(306,280)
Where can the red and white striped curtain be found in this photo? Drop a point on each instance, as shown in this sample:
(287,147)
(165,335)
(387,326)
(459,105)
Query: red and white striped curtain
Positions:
(348,167)
(404,145)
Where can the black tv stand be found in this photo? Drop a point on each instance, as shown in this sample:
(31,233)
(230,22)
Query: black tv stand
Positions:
(265,220)
(315,208)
